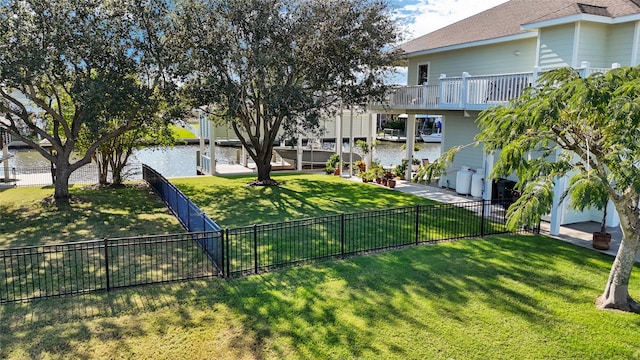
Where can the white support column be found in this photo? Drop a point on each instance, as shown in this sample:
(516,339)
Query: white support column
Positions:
(351,145)
(212,147)
(370,139)
(556,207)
(585,68)
(463,90)
(636,44)
(411,143)
(245,162)
(300,151)
(339,140)
(489,161)
(5,156)
(536,75)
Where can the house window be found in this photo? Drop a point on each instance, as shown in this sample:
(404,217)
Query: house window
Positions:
(423,74)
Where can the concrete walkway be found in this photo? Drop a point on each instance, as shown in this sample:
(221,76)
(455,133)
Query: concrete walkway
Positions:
(578,234)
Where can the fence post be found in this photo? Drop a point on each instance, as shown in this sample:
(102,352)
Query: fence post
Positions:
(228,262)
(255,247)
(222,254)
(482,218)
(417,223)
(106,263)
(342,234)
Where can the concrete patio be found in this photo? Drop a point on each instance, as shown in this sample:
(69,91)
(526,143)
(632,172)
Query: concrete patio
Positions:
(577,234)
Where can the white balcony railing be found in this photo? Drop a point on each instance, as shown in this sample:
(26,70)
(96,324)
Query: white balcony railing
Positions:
(466,92)
(412,97)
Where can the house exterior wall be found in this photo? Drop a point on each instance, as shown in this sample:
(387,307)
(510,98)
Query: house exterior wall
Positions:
(592,44)
(620,44)
(556,47)
(480,60)
(460,130)
(327,128)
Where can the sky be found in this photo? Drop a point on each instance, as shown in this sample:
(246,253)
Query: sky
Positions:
(424,16)
(419,17)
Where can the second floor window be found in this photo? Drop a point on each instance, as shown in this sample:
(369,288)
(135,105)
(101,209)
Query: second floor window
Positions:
(423,74)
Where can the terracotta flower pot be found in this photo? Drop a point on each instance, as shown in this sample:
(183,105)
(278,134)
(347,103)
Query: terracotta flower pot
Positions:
(391,183)
(601,241)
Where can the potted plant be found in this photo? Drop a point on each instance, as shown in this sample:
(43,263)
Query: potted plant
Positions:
(401,169)
(391,183)
(377,171)
(601,240)
(367,176)
(366,148)
(332,166)
(588,191)
(361,165)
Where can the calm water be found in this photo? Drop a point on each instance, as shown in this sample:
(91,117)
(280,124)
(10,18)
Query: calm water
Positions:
(181,160)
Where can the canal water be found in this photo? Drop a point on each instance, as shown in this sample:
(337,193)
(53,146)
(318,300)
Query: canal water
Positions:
(181,160)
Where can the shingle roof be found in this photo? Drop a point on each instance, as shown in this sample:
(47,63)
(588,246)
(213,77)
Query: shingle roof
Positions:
(506,20)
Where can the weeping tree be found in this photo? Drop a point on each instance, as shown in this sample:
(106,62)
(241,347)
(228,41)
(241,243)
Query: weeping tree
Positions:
(584,129)
(74,67)
(264,66)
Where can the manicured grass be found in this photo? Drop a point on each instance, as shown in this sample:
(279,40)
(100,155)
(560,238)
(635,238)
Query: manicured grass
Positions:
(233,204)
(181,133)
(230,203)
(508,297)
(25,219)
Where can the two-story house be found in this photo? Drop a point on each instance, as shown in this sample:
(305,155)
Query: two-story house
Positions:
(489,58)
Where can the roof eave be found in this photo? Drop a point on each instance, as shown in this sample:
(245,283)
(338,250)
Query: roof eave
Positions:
(568,20)
(527,35)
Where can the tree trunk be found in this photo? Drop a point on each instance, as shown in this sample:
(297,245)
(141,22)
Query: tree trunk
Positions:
(263,163)
(103,168)
(61,186)
(616,292)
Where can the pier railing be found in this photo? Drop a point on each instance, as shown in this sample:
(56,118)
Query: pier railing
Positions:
(42,175)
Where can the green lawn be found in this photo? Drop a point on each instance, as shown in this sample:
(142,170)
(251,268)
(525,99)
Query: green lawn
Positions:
(25,219)
(181,133)
(508,297)
(231,204)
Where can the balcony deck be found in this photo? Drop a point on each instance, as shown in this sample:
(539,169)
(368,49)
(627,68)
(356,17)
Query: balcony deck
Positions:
(457,93)
(465,92)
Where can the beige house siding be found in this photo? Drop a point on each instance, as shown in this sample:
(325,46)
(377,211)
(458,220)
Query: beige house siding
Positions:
(508,57)
(556,46)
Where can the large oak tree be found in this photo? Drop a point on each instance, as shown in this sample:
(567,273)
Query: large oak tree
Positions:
(73,68)
(268,65)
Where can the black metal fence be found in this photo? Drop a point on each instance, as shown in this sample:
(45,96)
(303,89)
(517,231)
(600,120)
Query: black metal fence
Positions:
(189,214)
(207,250)
(74,268)
(258,248)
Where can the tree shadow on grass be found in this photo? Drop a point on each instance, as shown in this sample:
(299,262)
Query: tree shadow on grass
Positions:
(297,197)
(91,214)
(335,309)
